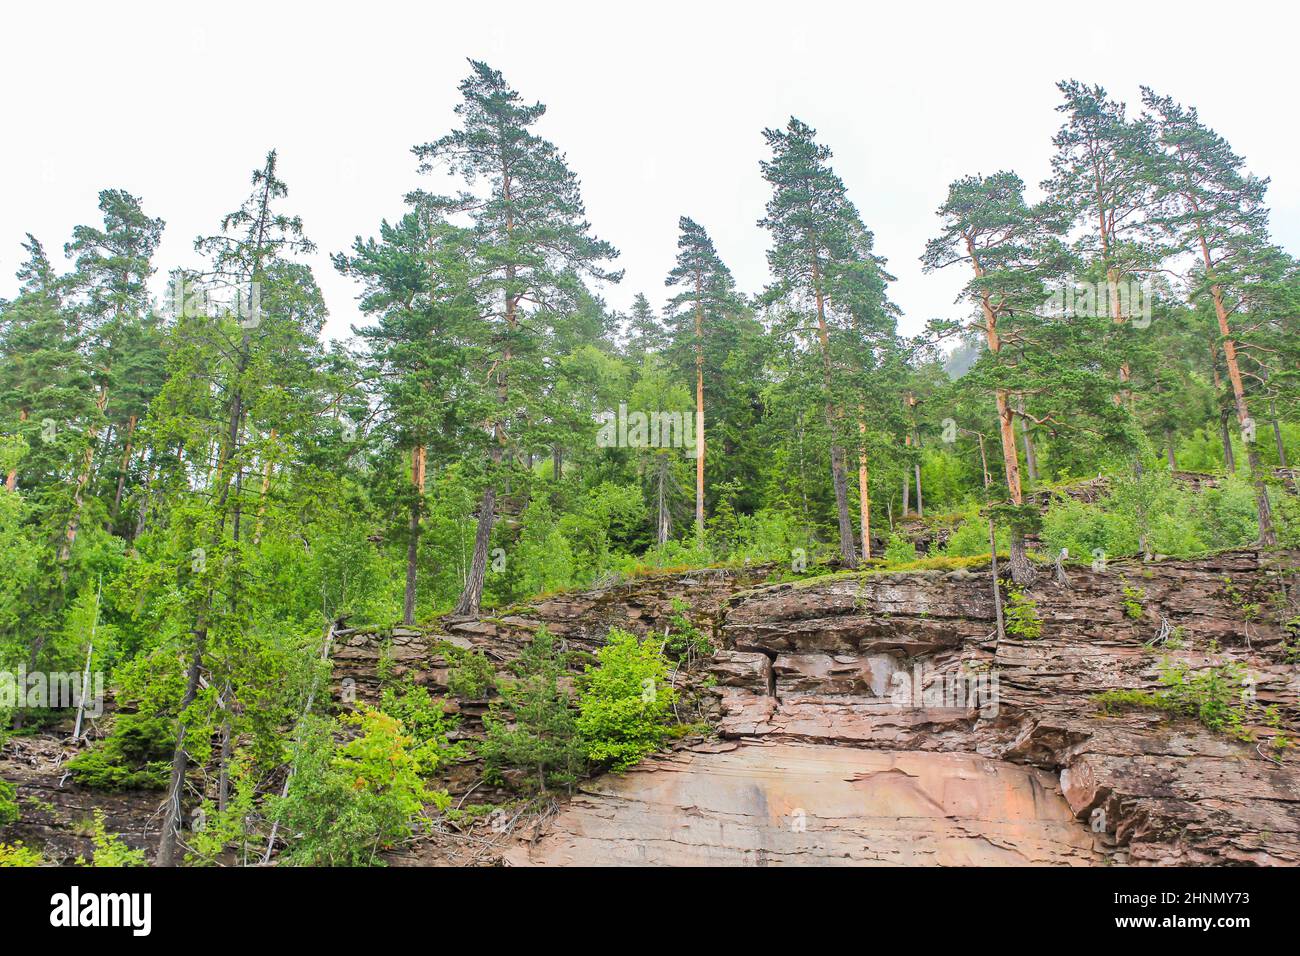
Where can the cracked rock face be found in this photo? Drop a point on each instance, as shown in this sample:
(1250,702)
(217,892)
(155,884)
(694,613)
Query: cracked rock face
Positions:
(818,805)
(886,709)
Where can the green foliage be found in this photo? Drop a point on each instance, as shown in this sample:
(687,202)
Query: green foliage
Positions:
(971,537)
(472,676)
(349,801)
(426,721)
(8,803)
(1134,602)
(110,849)
(15,854)
(899,550)
(1022,618)
(1217,696)
(685,641)
(222,830)
(135,755)
(625,703)
(533,727)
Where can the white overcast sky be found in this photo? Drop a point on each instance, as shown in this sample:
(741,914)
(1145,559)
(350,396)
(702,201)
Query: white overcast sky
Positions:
(659,108)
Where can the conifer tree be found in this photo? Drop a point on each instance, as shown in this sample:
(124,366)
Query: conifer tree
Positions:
(1215,212)
(707,295)
(532,248)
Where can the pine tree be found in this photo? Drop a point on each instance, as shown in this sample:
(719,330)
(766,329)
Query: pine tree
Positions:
(532,246)
(707,296)
(821,254)
(1056,359)
(420,349)
(1216,213)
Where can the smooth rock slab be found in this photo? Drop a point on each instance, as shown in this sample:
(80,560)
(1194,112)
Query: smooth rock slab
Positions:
(788,804)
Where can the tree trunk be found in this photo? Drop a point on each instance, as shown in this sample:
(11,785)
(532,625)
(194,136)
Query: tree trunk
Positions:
(557,463)
(83,477)
(1170,450)
(663,521)
(1267,536)
(1031,453)
(1021,570)
(167,840)
(413,538)
(472,595)
(920,502)
(699,404)
(121,471)
(864,494)
(839,473)
(1277,439)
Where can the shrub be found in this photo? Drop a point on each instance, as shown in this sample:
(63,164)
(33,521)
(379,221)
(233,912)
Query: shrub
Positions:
(136,755)
(899,550)
(542,738)
(110,849)
(1215,697)
(685,641)
(425,720)
(347,802)
(472,677)
(1134,602)
(16,854)
(8,803)
(971,537)
(1022,616)
(625,701)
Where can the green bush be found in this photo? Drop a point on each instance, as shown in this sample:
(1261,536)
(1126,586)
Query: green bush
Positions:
(971,537)
(899,550)
(425,720)
(1022,616)
(685,641)
(348,802)
(625,704)
(136,755)
(110,849)
(472,677)
(533,727)
(15,854)
(1215,697)
(8,803)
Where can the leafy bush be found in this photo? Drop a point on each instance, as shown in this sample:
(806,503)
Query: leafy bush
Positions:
(625,702)
(472,677)
(15,854)
(136,755)
(899,550)
(1216,697)
(8,803)
(685,641)
(425,720)
(971,537)
(110,849)
(348,802)
(542,736)
(1022,616)
(1134,602)
(1085,528)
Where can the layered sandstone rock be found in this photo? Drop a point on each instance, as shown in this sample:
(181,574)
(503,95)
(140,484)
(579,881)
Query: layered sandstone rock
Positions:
(768,805)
